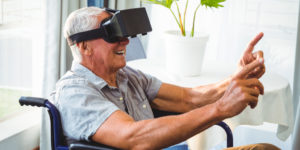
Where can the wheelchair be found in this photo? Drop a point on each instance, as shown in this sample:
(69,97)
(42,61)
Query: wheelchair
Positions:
(58,140)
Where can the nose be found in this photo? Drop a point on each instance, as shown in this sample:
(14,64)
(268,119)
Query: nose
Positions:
(124,41)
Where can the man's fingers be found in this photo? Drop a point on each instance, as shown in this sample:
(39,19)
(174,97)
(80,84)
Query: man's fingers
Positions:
(254,42)
(252,100)
(254,84)
(257,72)
(252,91)
(250,67)
(259,54)
(262,72)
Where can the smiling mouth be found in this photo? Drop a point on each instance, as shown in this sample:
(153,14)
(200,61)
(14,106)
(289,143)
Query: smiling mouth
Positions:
(122,52)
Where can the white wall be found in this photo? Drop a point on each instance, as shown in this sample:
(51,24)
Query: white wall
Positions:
(233,26)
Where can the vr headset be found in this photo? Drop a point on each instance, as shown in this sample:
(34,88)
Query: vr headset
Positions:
(122,24)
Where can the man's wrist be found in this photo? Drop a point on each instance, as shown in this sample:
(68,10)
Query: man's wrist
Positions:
(222,86)
(220,112)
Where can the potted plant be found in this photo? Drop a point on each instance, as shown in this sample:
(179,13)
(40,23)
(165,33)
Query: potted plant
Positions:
(185,48)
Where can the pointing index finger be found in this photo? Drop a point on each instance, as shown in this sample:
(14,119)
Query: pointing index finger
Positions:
(254,42)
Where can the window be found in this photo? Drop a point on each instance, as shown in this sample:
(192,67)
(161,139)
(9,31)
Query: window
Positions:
(20,39)
(98,3)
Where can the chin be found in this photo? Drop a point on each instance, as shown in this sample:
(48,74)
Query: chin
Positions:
(122,65)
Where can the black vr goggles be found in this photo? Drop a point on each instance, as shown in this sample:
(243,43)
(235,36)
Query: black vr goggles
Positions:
(123,23)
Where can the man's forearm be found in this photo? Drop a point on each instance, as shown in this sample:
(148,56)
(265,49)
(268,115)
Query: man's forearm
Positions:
(180,99)
(166,131)
(203,95)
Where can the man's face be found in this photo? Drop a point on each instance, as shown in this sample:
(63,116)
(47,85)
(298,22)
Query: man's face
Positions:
(108,55)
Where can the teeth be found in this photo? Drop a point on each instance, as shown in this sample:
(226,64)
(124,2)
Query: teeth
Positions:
(120,52)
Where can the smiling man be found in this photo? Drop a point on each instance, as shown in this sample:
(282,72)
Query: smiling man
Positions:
(102,100)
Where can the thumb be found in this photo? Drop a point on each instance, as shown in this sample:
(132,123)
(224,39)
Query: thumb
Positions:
(250,67)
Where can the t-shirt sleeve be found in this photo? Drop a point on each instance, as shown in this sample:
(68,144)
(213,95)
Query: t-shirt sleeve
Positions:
(83,110)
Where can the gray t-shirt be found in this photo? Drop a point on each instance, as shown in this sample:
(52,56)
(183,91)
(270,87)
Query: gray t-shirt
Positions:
(85,100)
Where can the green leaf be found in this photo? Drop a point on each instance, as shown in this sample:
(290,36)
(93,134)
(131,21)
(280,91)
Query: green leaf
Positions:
(212,3)
(166,3)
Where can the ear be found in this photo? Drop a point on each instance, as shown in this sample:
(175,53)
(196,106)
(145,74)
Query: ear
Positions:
(84,48)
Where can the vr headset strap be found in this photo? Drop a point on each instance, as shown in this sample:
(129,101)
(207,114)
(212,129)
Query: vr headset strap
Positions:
(85,36)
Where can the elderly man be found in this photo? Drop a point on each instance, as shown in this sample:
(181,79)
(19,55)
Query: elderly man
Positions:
(101,99)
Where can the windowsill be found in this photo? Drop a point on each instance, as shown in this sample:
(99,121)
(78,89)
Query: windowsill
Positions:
(19,123)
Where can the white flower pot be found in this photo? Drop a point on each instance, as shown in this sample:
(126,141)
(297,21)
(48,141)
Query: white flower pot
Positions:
(184,55)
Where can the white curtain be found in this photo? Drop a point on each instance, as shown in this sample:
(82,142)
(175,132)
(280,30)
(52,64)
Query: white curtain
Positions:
(57,56)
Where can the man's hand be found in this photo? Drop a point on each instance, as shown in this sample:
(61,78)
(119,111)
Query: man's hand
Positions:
(241,92)
(249,57)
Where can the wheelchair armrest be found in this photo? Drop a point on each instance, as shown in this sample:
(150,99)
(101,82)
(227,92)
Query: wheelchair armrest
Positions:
(32,101)
(89,146)
(160,113)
